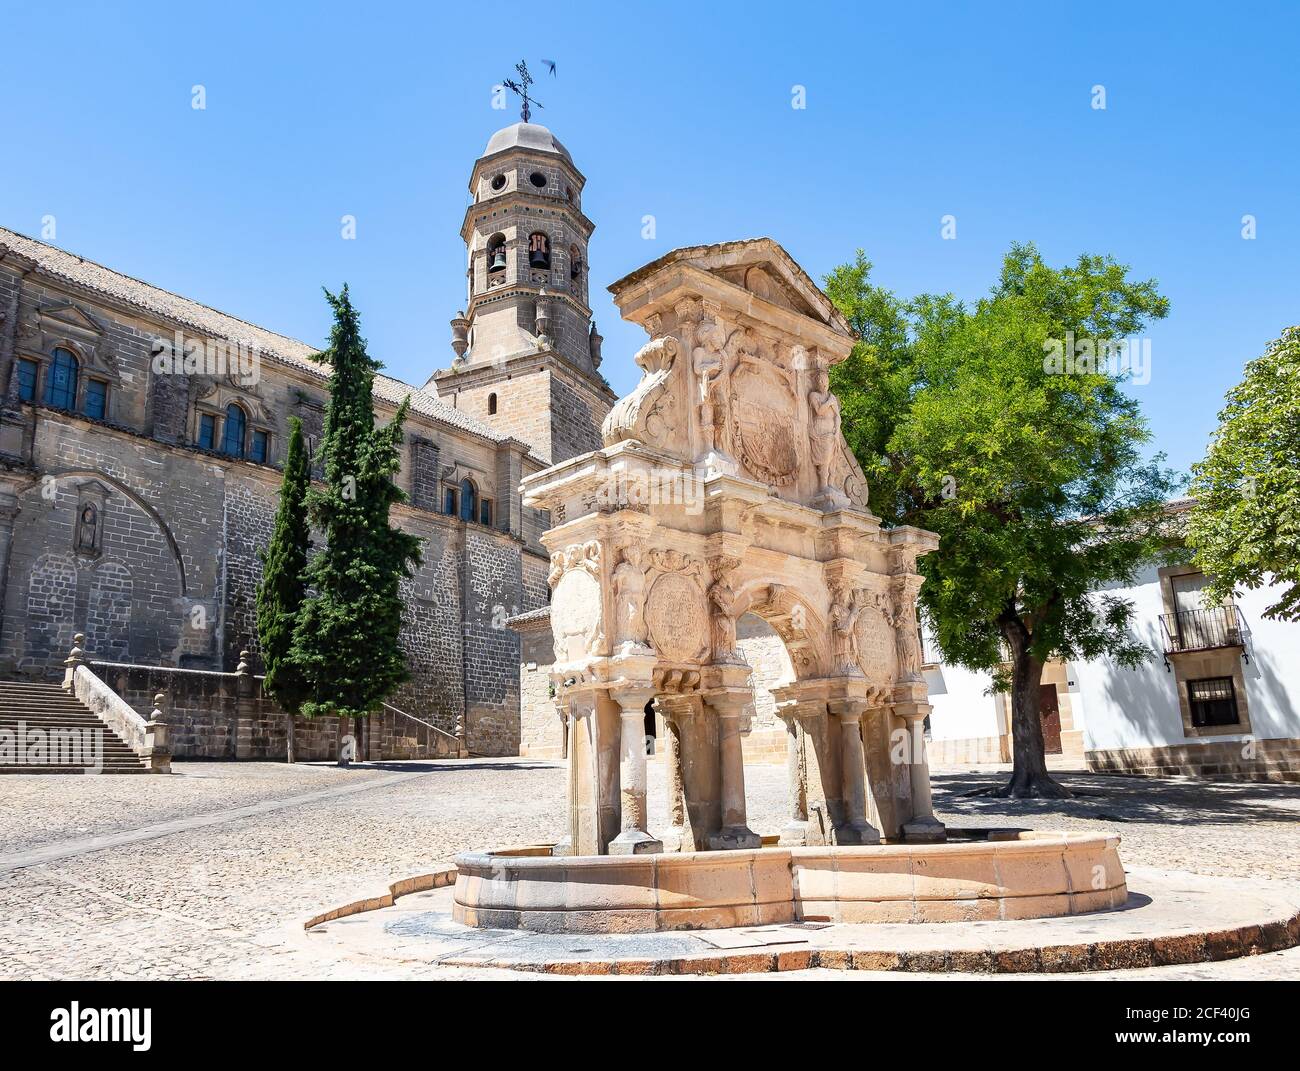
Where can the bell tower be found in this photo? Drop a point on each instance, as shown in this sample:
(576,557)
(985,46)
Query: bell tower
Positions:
(526,352)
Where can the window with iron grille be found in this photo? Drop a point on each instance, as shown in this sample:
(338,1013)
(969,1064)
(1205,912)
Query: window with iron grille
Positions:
(1213,701)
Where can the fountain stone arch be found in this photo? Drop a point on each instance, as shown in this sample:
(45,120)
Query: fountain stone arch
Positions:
(724,486)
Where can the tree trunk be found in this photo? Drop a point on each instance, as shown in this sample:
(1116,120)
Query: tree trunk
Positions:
(290,723)
(1029,776)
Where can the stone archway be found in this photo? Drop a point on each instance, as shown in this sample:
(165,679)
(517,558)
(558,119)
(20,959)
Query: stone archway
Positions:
(725,488)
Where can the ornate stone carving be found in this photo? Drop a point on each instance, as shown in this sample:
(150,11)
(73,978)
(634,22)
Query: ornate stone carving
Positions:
(577,616)
(629,596)
(676,618)
(650,413)
(875,641)
(763,418)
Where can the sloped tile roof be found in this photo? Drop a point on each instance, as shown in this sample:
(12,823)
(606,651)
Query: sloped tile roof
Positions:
(290,351)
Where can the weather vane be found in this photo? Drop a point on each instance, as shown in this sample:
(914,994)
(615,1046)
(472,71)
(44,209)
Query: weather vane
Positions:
(521,88)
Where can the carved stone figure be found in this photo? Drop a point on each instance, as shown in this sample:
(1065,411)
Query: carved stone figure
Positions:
(629,595)
(906,637)
(825,428)
(706,364)
(727,607)
(88,528)
(845,611)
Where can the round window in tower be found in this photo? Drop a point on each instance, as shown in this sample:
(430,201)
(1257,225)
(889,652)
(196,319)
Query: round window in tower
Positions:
(499,183)
(538,180)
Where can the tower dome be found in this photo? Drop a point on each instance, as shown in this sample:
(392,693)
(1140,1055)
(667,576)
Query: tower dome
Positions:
(532,136)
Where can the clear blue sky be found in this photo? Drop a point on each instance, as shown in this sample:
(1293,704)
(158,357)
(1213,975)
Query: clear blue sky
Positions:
(681,111)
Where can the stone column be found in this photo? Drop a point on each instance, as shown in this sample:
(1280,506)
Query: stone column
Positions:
(735,833)
(634,839)
(677,838)
(853,771)
(923,826)
(795,832)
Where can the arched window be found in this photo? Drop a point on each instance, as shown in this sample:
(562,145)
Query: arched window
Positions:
(496,253)
(232,433)
(492,404)
(468,500)
(539,251)
(61,383)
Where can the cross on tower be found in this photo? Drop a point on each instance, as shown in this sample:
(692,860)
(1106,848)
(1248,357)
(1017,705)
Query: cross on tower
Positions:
(521,88)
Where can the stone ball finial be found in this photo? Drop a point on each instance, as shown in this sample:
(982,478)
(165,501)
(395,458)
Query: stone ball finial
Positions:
(244,668)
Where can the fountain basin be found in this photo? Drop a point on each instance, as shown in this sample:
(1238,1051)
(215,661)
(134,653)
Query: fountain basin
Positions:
(1028,875)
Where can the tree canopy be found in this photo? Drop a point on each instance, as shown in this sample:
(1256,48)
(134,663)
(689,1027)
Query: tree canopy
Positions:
(347,636)
(283,586)
(1031,469)
(1245,524)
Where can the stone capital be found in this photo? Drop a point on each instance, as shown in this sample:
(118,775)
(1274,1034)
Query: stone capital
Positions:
(850,709)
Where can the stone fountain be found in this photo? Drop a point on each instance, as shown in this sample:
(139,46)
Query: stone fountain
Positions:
(724,487)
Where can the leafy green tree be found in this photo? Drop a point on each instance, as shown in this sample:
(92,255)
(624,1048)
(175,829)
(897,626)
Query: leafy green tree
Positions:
(280,594)
(346,642)
(1245,524)
(968,422)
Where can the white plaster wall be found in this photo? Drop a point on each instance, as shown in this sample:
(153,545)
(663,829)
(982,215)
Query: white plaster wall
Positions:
(962,707)
(1121,708)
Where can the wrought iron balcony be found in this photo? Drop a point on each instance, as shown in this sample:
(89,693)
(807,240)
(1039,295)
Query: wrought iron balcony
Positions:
(1205,630)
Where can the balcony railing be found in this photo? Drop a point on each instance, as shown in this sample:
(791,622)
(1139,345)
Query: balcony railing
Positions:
(1205,630)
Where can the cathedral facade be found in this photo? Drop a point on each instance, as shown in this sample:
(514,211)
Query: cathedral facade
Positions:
(142,433)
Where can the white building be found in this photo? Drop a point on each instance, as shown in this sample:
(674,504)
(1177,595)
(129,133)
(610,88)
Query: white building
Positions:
(1216,699)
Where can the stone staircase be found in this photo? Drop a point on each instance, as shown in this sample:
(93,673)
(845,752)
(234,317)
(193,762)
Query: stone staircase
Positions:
(47,708)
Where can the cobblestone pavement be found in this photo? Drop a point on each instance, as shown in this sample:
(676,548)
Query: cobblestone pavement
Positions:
(210,873)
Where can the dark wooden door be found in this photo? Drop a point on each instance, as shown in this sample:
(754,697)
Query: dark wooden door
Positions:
(1049,712)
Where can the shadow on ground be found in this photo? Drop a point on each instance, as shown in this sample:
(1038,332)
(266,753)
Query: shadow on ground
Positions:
(1119,798)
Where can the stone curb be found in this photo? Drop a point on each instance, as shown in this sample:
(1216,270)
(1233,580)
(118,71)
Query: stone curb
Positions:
(1176,949)
(437,879)
(1250,940)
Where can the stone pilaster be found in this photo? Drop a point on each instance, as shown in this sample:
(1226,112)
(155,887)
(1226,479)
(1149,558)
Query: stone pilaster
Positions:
(9,510)
(245,707)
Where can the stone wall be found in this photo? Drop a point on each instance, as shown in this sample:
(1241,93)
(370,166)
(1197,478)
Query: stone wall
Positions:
(1220,760)
(223,716)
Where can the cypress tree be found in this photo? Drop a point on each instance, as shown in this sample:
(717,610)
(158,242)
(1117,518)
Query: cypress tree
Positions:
(346,642)
(280,594)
